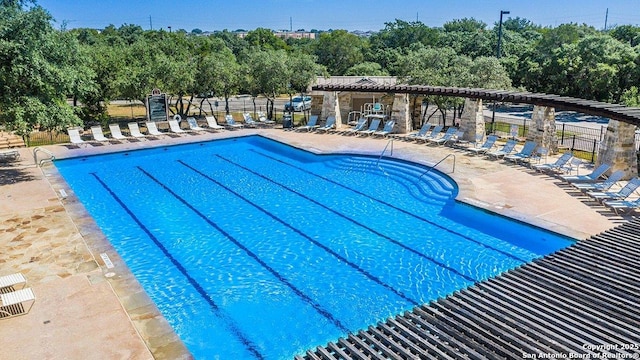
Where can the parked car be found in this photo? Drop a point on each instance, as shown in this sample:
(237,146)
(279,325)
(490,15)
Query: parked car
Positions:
(298,103)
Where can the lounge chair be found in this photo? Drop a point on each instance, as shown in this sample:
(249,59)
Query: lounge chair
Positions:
(360,125)
(622,194)
(488,144)
(312,124)
(373,127)
(524,154)
(174,127)
(622,205)
(152,129)
(134,130)
(212,123)
(14,154)
(96,132)
(248,120)
(262,117)
(329,124)
(387,129)
(74,136)
(193,124)
(416,135)
(589,178)
(506,150)
(557,165)
(12,280)
(433,134)
(231,123)
(600,186)
(444,138)
(116,133)
(16,303)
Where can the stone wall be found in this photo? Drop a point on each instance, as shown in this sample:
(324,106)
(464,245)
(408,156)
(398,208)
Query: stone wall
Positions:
(472,119)
(400,113)
(543,128)
(618,148)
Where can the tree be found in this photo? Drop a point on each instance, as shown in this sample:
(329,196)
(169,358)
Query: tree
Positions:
(366,69)
(339,50)
(265,39)
(217,70)
(39,67)
(266,72)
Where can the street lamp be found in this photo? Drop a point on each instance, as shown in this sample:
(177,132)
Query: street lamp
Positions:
(493,113)
(502,12)
(498,45)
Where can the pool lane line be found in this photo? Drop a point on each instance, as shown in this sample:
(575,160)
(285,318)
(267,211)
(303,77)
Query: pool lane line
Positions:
(307,237)
(249,345)
(395,208)
(252,255)
(375,232)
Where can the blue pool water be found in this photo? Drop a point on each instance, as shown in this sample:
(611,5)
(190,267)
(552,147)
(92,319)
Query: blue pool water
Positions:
(256,250)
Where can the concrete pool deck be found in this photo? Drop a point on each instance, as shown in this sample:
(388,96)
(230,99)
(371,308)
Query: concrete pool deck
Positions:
(90,306)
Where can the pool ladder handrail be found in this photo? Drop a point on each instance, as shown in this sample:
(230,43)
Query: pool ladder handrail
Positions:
(436,164)
(42,161)
(382,154)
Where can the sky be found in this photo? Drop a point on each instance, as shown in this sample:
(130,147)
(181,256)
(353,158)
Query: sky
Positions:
(330,14)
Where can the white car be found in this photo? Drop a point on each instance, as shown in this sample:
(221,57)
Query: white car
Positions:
(298,104)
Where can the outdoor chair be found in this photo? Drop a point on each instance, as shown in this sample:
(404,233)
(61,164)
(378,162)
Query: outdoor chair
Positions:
(444,138)
(524,154)
(16,303)
(312,124)
(193,124)
(386,130)
(212,123)
(231,123)
(96,132)
(589,178)
(329,124)
(506,150)
(557,165)
(134,130)
(622,194)
(488,144)
(74,136)
(116,133)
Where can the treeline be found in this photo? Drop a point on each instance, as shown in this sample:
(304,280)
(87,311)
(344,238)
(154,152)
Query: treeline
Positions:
(41,67)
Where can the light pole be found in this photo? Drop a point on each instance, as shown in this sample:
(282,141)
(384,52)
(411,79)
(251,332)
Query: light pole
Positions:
(493,113)
(170,26)
(502,12)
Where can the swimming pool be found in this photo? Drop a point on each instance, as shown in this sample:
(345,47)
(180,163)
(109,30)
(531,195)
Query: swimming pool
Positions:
(254,249)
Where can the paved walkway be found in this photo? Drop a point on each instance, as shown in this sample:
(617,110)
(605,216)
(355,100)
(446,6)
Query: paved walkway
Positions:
(86,308)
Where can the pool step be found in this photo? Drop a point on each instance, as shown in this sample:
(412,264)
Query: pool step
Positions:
(565,303)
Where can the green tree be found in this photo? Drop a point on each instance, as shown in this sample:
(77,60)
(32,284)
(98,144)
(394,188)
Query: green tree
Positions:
(265,39)
(39,67)
(339,50)
(367,69)
(266,72)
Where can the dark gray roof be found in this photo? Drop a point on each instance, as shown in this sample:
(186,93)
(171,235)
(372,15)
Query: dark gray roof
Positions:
(623,113)
(571,301)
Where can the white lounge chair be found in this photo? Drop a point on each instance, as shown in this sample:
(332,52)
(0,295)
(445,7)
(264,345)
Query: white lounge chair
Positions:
(212,123)
(152,129)
(116,133)
(134,130)
(96,132)
(231,123)
(248,120)
(74,136)
(174,127)
(16,303)
(12,280)
(262,117)
(193,124)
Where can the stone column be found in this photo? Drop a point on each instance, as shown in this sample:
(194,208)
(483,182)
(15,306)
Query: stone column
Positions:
(400,113)
(543,128)
(472,119)
(331,107)
(618,148)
